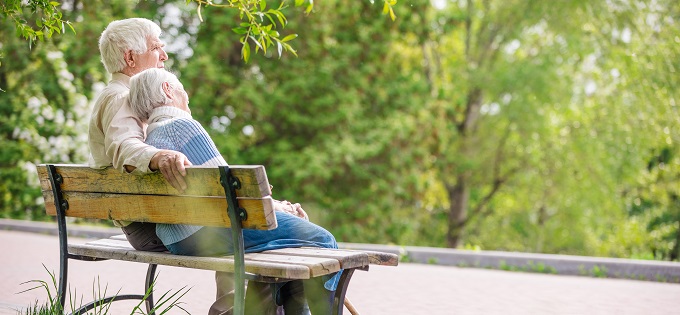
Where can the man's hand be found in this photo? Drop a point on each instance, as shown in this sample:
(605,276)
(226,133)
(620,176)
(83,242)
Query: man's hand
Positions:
(172,164)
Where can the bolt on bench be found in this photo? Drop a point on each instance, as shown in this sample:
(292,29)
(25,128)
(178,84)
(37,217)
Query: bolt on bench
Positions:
(238,197)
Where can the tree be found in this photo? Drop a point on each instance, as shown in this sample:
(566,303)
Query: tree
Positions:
(511,113)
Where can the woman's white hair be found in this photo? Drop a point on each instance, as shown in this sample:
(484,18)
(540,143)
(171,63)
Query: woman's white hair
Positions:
(146,91)
(123,35)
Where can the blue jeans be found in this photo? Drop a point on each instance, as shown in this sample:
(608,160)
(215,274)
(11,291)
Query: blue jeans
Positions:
(291,232)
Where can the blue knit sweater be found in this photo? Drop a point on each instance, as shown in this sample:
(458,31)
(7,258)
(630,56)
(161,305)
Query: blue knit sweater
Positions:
(173,129)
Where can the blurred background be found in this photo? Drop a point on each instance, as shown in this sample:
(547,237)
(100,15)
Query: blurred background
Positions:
(515,125)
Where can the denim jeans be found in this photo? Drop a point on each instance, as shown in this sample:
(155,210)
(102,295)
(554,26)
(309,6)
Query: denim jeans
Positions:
(291,232)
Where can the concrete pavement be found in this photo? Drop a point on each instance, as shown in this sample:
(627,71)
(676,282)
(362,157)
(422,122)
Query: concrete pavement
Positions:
(406,289)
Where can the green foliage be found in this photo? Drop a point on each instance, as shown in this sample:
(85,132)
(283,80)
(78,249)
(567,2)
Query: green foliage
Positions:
(163,304)
(43,118)
(259,24)
(46,18)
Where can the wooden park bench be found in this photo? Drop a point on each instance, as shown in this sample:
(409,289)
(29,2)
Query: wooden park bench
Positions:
(230,196)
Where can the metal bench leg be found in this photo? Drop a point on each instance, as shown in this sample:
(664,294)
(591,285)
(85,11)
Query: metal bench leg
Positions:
(61,206)
(343,284)
(236,215)
(150,280)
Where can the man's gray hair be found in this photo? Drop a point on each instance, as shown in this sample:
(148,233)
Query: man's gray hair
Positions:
(146,91)
(123,35)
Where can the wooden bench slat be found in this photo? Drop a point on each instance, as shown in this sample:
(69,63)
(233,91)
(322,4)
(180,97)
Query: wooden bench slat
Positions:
(206,211)
(226,264)
(201,181)
(382,259)
(318,266)
(374,258)
(347,259)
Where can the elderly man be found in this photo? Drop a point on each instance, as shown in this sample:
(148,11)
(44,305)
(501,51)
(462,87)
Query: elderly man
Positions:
(116,136)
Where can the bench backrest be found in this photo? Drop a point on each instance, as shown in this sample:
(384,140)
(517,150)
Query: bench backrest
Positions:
(110,194)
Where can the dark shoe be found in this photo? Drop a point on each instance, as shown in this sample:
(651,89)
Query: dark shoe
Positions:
(259,300)
(292,297)
(319,299)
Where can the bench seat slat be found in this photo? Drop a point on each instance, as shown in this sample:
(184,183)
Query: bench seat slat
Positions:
(206,211)
(289,261)
(347,259)
(226,264)
(318,265)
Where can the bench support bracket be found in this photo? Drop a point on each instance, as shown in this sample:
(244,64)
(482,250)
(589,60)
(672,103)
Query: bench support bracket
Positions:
(62,205)
(236,215)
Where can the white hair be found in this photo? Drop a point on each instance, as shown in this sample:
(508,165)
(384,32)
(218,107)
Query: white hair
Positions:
(123,35)
(146,91)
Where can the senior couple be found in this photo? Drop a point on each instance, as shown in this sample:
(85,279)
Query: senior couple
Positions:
(141,122)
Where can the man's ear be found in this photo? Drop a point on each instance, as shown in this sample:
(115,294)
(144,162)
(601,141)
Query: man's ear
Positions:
(168,90)
(129,61)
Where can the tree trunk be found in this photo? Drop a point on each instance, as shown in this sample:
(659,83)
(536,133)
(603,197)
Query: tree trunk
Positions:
(458,197)
(675,252)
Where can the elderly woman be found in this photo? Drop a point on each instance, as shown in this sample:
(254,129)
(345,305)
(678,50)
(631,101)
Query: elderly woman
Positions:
(157,97)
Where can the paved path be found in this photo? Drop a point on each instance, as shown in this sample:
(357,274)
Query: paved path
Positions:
(406,289)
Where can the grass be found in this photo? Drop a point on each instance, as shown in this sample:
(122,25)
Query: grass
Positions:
(167,301)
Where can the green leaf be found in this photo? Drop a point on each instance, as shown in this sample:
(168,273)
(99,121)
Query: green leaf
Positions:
(289,48)
(263,5)
(245,52)
(71,27)
(279,15)
(269,17)
(289,37)
(240,30)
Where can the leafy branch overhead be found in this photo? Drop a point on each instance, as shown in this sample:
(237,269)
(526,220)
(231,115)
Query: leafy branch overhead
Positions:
(259,21)
(47,22)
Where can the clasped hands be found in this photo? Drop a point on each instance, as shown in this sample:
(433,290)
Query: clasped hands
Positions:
(292,208)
